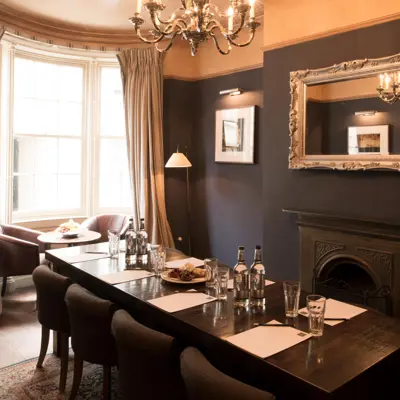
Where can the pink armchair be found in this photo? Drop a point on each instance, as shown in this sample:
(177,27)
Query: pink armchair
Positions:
(102,223)
(20,252)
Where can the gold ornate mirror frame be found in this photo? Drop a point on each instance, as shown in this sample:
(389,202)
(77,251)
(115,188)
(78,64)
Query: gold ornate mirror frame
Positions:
(297,115)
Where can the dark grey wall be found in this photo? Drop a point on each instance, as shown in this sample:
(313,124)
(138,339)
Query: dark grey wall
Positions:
(374,195)
(227,204)
(179,120)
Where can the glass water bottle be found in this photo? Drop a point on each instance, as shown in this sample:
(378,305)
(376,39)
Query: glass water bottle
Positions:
(130,244)
(241,281)
(141,242)
(257,280)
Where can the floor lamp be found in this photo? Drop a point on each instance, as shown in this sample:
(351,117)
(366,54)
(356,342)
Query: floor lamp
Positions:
(179,160)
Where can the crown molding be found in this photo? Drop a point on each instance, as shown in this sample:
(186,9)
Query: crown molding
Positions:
(65,34)
(331,32)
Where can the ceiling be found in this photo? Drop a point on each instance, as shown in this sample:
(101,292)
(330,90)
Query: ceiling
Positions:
(110,14)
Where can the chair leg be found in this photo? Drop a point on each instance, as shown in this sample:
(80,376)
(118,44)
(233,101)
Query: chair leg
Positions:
(106,382)
(4,286)
(78,367)
(43,346)
(64,361)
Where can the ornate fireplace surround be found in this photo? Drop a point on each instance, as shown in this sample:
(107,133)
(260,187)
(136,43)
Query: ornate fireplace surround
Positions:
(373,246)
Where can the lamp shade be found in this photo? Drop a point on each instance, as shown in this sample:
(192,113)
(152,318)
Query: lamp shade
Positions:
(178,160)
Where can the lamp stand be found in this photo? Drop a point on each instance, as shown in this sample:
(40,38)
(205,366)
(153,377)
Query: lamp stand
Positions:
(188,211)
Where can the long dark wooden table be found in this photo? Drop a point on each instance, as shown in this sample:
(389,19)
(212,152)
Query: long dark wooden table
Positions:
(357,359)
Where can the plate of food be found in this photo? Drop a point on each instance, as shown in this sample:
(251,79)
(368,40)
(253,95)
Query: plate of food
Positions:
(69,230)
(188,274)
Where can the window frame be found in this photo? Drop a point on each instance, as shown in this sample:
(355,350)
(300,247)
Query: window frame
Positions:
(91,62)
(97,139)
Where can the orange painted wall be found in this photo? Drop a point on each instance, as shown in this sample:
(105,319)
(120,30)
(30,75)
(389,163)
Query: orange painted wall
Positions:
(291,21)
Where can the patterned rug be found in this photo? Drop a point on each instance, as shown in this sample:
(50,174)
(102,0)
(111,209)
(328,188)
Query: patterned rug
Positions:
(24,381)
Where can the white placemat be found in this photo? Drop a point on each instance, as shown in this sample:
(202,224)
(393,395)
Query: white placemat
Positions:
(265,341)
(84,257)
(230,283)
(181,301)
(125,276)
(337,309)
(180,263)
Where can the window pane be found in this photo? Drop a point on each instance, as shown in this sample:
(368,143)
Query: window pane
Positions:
(112,119)
(48,98)
(47,174)
(114,184)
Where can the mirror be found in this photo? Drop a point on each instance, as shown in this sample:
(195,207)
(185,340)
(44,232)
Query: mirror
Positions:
(346,116)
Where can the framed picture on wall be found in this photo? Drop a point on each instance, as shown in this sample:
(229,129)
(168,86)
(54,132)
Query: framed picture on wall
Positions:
(368,140)
(234,135)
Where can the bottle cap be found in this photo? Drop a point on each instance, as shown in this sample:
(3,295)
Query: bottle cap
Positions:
(241,247)
(258,247)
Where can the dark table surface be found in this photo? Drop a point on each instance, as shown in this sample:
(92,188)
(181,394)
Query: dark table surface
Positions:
(355,359)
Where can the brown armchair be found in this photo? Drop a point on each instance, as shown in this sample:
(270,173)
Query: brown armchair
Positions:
(20,252)
(102,223)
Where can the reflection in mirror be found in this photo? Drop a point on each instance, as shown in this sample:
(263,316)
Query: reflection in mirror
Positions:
(348,117)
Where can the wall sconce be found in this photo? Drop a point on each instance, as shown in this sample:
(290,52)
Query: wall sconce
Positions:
(231,92)
(368,113)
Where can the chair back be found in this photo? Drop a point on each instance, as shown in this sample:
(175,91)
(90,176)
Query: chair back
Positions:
(17,257)
(203,381)
(148,361)
(102,223)
(51,288)
(90,319)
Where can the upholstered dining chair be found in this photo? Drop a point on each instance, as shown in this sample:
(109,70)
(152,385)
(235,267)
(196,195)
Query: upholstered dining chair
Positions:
(20,252)
(148,361)
(90,319)
(203,381)
(102,223)
(53,314)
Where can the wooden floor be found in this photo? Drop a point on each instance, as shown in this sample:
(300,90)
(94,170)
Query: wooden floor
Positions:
(20,330)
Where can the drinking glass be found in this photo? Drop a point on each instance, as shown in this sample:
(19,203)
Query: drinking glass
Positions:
(316,314)
(222,277)
(113,243)
(157,259)
(291,290)
(211,265)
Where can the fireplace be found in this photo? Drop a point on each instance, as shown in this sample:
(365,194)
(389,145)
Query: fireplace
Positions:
(351,260)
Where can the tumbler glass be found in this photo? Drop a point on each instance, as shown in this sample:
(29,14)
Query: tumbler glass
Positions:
(222,278)
(211,265)
(157,259)
(291,291)
(316,313)
(113,243)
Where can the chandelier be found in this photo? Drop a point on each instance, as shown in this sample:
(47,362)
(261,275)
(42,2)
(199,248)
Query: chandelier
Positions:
(197,21)
(389,87)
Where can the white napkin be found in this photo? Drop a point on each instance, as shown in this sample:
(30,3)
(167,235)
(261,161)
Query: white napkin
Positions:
(265,341)
(180,263)
(76,258)
(125,276)
(181,301)
(337,309)
(230,283)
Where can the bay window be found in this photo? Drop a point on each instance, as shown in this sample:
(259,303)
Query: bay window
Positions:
(63,144)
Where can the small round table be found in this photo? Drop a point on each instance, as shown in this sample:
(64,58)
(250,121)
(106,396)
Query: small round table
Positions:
(84,237)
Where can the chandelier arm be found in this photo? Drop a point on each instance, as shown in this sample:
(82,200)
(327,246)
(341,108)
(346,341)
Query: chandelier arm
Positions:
(165,49)
(242,44)
(242,19)
(171,18)
(183,2)
(209,6)
(223,52)
(170,27)
(150,41)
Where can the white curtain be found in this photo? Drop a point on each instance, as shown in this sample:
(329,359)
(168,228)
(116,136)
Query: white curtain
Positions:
(142,78)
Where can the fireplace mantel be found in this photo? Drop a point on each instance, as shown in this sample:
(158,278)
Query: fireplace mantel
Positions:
(367,227)
(326,239)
